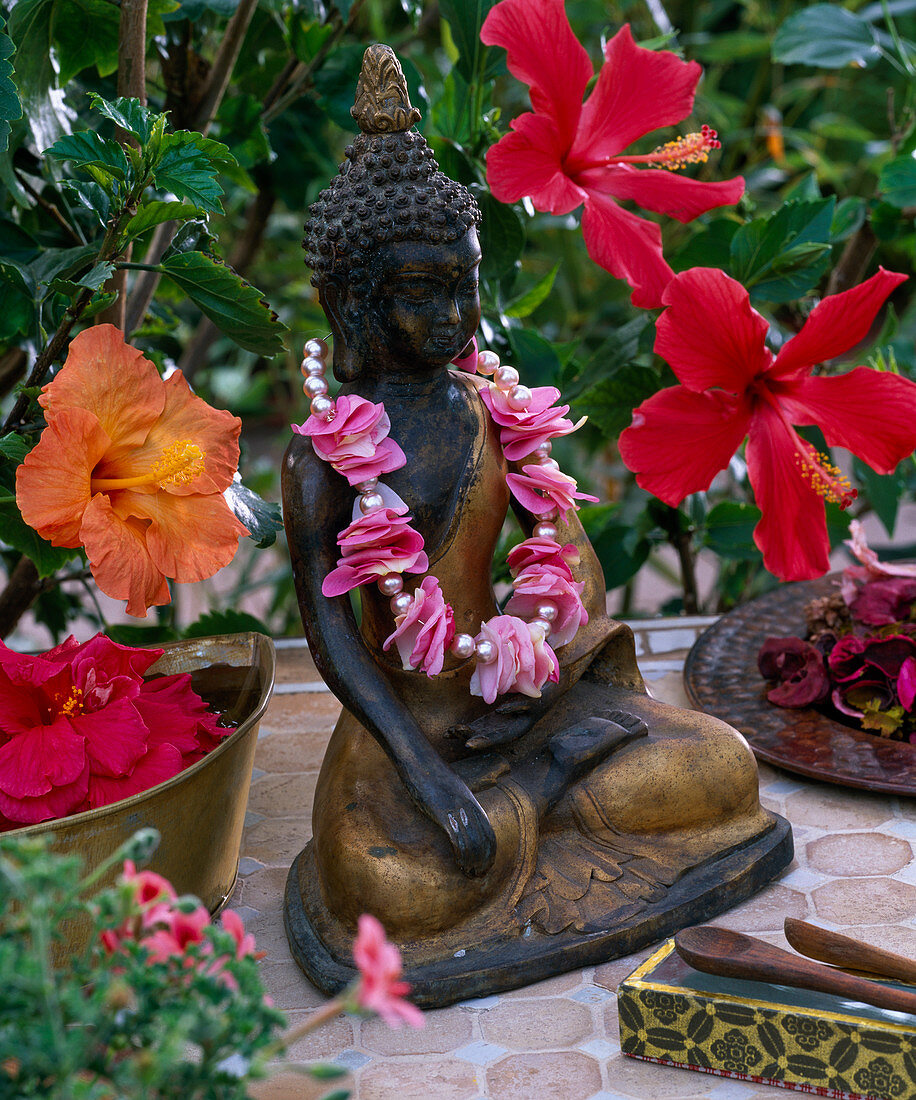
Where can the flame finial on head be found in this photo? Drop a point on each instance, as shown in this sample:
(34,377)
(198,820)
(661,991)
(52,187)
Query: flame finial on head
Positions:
(382,103)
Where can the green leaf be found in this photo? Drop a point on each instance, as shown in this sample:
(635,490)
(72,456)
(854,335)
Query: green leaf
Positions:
(62,263)
(709,248)
(233,305)
(883,491)
(14,447)
(465,18)
(91,195)
(129,114)
(10,107)
(85,34)
(730,530)
(262,518)
(502,237)
(827,36)
(17,304)
(30,29)
(224,622)
(93,279)
(610,403)
(897,182)
(847,218)
(528,302)
(86,148)
(242,130)
(621,549)
(782,256)
(534,356)
(154,213)
(188,167)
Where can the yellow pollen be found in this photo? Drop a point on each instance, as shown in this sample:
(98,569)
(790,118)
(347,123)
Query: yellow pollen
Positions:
(826,479)
(692,149)
(73,704)
(181,462)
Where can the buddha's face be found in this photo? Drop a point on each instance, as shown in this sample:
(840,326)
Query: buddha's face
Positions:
(424,302)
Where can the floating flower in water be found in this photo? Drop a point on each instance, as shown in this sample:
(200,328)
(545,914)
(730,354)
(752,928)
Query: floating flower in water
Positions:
(80,728)
(133,469)
(733,386)
(355,442)
(380,987)
(567,153)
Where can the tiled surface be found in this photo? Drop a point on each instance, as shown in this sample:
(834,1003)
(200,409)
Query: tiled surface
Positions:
(557,1040)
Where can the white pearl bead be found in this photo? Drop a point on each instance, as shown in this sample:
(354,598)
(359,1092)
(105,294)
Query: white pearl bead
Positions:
(400,604)
(548,462)
(519,398)
(487,362)
(314,385)
(485,651)
(311,366)
(462,646)
(543,449)
(323,407)
(539,626)
(367,486)
(544,530)
(391,584)
(505,378)
(317,348)
(370,502)
(547,610)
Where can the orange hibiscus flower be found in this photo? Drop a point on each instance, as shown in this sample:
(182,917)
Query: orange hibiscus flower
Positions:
(132,468)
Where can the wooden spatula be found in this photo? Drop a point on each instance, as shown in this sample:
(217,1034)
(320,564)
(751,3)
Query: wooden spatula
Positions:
(734,955)
(840,950)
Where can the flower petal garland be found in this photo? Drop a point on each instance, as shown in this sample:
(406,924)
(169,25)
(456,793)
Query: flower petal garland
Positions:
(356,441)
(80,728)
(733,386)
(133,469)
(381,545)
(566,152)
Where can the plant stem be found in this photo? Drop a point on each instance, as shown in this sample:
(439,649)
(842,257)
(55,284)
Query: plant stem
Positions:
(328,1012)
(22,589)
(223,64)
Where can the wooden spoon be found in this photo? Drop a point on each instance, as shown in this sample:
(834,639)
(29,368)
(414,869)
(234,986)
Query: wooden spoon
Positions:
(734,955)
(831,947)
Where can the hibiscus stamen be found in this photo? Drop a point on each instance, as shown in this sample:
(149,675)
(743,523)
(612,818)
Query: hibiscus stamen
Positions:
(179,464)
(692,149)
(70,704)
(826,479)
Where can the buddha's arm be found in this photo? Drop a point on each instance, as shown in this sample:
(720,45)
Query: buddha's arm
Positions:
(317,505)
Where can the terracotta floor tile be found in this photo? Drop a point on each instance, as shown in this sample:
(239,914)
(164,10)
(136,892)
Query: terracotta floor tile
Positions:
(418,1079)
(865,901)
(849,854)
(289,987)
(550,987)
(557,1076)
(446,1030)
(765,911)
(834,808)
(277,841)
(294,751)
(895,937)
(532,1025)
(288,1086)
(287,795)
(323,1044)
(644,1080)
(611,974)
(317,710)
(263,890)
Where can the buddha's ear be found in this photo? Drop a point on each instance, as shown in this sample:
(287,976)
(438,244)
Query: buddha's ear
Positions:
(348,338)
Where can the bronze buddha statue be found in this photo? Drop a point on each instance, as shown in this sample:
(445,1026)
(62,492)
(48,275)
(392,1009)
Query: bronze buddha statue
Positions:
(502,843)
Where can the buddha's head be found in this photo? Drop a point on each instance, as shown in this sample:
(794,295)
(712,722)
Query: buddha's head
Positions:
(392,242)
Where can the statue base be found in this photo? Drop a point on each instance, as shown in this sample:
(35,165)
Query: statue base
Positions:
(441,974)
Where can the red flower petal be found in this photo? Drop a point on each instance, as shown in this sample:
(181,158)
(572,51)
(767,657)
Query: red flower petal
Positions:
(709,334)
(175,713)
(628,246)
(116,737)
(528,161)
(638,90)
(869,412)
(836,324)
(792,532)
(543,52)
(33,763)
(664,192)
(159,764)
(680,440)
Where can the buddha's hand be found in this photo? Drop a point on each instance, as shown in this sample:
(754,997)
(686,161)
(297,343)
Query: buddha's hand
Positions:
(507,722)
(446,799)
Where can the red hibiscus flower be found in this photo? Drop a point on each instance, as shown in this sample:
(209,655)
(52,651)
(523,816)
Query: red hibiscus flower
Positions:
(80,727)
(380,987)
(566,152)
(733,386)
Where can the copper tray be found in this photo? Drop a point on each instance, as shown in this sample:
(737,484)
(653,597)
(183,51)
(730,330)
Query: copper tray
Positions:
(721,678)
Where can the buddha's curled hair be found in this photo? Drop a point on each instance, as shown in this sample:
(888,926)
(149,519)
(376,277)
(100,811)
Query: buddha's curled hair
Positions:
(389,188)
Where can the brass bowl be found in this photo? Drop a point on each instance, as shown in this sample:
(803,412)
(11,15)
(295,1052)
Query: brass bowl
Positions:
(200,812)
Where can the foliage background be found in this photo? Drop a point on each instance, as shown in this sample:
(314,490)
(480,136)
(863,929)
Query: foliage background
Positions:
(814,106)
